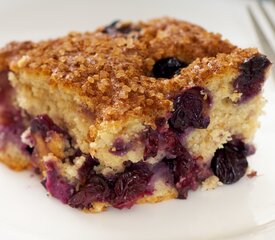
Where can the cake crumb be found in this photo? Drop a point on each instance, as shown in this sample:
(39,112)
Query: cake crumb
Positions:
(211,183)
(251,173)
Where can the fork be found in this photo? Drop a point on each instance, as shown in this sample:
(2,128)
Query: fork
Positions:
(266,44)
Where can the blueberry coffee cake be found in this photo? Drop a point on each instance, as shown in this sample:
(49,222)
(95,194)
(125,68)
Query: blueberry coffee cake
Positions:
(130,113)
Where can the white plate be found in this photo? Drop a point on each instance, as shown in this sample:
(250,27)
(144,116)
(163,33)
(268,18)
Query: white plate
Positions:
(245,210)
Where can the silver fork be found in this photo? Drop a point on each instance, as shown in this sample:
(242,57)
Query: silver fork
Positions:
(268,47)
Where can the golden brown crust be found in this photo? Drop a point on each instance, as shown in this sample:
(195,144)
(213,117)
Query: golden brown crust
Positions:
(112,72)
(200,71)
(13,51)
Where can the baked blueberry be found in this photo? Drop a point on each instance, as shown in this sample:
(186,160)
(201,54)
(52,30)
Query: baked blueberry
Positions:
(190,110)
(131,185)
(167,67)
(113,28)
(252,77)
(151,143)
(96,189)
(229,163)
(42,124)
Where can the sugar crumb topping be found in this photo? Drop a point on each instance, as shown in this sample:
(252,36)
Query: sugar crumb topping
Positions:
(112,73)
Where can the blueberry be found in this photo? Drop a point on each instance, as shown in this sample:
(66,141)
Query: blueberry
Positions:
(29,149)
(112,28)
(96,190)
(131,184)
(190,110)
(251,77)
(119,147)
(173,145)
(229,163)
(121,190)
(58,186)
(86,171)
(42,124)
(167,67)
(151,143)
(185,172)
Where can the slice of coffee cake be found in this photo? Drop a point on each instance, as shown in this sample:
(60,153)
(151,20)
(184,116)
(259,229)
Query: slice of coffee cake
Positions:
(130,113)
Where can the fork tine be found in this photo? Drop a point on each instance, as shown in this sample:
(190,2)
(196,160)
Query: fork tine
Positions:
(265,44)
(264,12)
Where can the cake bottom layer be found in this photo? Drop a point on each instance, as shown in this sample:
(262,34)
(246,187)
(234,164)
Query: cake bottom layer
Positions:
(70,175)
